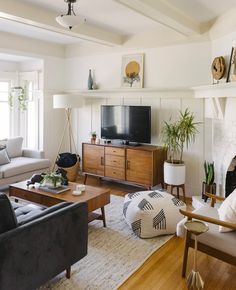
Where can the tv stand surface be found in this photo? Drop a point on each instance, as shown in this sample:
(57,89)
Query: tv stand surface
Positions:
(140,165)
(130,143)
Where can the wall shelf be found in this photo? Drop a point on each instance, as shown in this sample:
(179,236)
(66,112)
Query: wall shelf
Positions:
(220,98)
(169,92)
(222,90)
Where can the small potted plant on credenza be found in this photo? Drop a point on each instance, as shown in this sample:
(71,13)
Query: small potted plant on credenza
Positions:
(208,185)
(176,135)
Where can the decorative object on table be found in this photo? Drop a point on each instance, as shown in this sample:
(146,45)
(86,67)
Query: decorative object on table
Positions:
(68,163)
(18,94)
(67,102)
(90,80)
(52,180)
(70,19)
(132,71)
(93,136)
(36,178)
(175,136)
(194,280)
(218,68)
(79,189)
(231,74)
(208,185)
(63,174)
(152,213)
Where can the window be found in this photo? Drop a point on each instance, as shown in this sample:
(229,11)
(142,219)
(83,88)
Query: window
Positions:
(32,115)
(4,110)
(19,107)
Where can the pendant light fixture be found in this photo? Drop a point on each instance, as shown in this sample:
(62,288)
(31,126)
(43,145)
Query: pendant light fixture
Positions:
(70,19)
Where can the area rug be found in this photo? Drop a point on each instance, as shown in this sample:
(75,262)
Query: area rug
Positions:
(114,253)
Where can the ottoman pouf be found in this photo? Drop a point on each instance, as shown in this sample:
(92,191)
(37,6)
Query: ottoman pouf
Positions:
(152,213)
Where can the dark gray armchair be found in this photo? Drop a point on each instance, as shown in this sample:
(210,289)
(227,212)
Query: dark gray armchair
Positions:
(42,247)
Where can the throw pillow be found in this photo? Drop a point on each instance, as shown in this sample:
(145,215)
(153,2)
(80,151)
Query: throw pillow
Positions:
(227,211)
(7,215)
(4,158)
(14,147)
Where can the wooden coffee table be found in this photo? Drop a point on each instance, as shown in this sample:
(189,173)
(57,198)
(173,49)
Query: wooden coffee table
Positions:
(94,196)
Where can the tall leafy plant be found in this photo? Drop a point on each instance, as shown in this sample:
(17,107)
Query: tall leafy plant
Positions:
(176,135)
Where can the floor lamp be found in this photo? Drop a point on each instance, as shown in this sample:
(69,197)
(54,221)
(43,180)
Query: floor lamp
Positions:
(67,102)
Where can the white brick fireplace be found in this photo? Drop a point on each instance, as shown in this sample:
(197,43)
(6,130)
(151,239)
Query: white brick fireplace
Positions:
(220,106)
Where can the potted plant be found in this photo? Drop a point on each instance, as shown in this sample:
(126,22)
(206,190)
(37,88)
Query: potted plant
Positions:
(208,185)
(176,135)
(52,180)
(93,136)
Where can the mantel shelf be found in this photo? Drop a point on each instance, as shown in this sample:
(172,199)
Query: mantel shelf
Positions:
(222,90)
(171,92)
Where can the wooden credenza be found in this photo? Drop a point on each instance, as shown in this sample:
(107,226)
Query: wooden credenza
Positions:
(141,165)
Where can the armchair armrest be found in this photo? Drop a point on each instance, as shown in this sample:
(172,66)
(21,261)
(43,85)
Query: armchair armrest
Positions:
(192,215)
(33,153)
(214,198)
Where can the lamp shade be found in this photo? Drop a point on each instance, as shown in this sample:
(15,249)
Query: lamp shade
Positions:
(69,21)
(65,101)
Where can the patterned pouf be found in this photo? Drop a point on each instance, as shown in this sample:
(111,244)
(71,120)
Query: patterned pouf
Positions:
(152,213)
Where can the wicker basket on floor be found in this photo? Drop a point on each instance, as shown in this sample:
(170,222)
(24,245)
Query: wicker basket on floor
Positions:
(72,172)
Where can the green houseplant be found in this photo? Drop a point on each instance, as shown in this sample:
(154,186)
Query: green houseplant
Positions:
(208,184)
(93,136)
(52,180)
(175,136)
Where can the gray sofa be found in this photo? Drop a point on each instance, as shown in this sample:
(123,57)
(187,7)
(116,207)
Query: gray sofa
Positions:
(37,244)
(17,164)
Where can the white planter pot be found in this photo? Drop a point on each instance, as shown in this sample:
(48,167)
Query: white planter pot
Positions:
(174,174)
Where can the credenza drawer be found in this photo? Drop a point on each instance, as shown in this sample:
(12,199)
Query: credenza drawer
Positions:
(114,172)
(115,161)
(115,151)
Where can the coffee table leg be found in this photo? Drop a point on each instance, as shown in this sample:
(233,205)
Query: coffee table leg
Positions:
(103,216)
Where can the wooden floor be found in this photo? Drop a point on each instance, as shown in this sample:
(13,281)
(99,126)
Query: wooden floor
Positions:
(162,271)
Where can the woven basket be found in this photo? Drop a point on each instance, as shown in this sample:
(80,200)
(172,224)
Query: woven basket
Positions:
(72,172)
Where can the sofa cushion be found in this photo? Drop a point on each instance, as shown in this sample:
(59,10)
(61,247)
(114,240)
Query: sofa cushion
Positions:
(28,212)
(4,158)
(7,216)
(14,147)
(227,211)
(21,165)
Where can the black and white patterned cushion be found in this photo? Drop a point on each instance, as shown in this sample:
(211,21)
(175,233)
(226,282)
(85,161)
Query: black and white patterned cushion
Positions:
(152,213)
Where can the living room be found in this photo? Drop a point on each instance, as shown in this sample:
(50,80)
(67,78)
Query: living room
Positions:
(175,44)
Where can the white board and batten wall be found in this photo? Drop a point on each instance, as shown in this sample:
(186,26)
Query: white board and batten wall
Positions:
(164,69)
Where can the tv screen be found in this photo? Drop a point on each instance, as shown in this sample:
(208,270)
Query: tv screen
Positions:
(129,123)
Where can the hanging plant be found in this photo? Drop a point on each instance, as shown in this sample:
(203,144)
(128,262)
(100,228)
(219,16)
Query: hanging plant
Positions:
(18,93)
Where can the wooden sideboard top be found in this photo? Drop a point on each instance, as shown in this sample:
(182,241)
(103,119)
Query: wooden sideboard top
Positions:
(139,147)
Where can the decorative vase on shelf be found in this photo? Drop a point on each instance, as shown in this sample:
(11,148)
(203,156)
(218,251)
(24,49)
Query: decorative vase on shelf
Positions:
(90,81)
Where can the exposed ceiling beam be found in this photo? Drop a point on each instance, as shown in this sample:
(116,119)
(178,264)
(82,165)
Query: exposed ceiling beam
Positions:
(164,13)
(31,15)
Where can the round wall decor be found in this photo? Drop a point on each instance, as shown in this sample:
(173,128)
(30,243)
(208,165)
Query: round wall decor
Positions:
(218,68)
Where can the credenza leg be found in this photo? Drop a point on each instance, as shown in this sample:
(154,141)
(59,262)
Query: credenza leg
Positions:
(85,178)
(68,272)
(103,216)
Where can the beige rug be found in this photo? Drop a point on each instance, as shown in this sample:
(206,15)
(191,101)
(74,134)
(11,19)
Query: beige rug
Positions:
(114,253)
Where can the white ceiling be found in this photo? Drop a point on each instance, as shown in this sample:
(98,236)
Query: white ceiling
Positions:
(107,14)
(111,19)
(203,10)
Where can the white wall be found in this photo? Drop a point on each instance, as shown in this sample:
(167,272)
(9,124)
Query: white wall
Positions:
(180,65)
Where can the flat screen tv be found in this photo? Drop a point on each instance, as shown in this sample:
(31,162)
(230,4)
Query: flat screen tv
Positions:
(127,123)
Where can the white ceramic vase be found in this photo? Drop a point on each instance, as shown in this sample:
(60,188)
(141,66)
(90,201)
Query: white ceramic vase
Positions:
(174,174)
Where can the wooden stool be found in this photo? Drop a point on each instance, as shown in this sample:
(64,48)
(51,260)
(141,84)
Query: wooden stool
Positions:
(172,186)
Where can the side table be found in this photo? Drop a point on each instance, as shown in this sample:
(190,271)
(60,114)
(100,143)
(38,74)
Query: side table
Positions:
(195,227)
